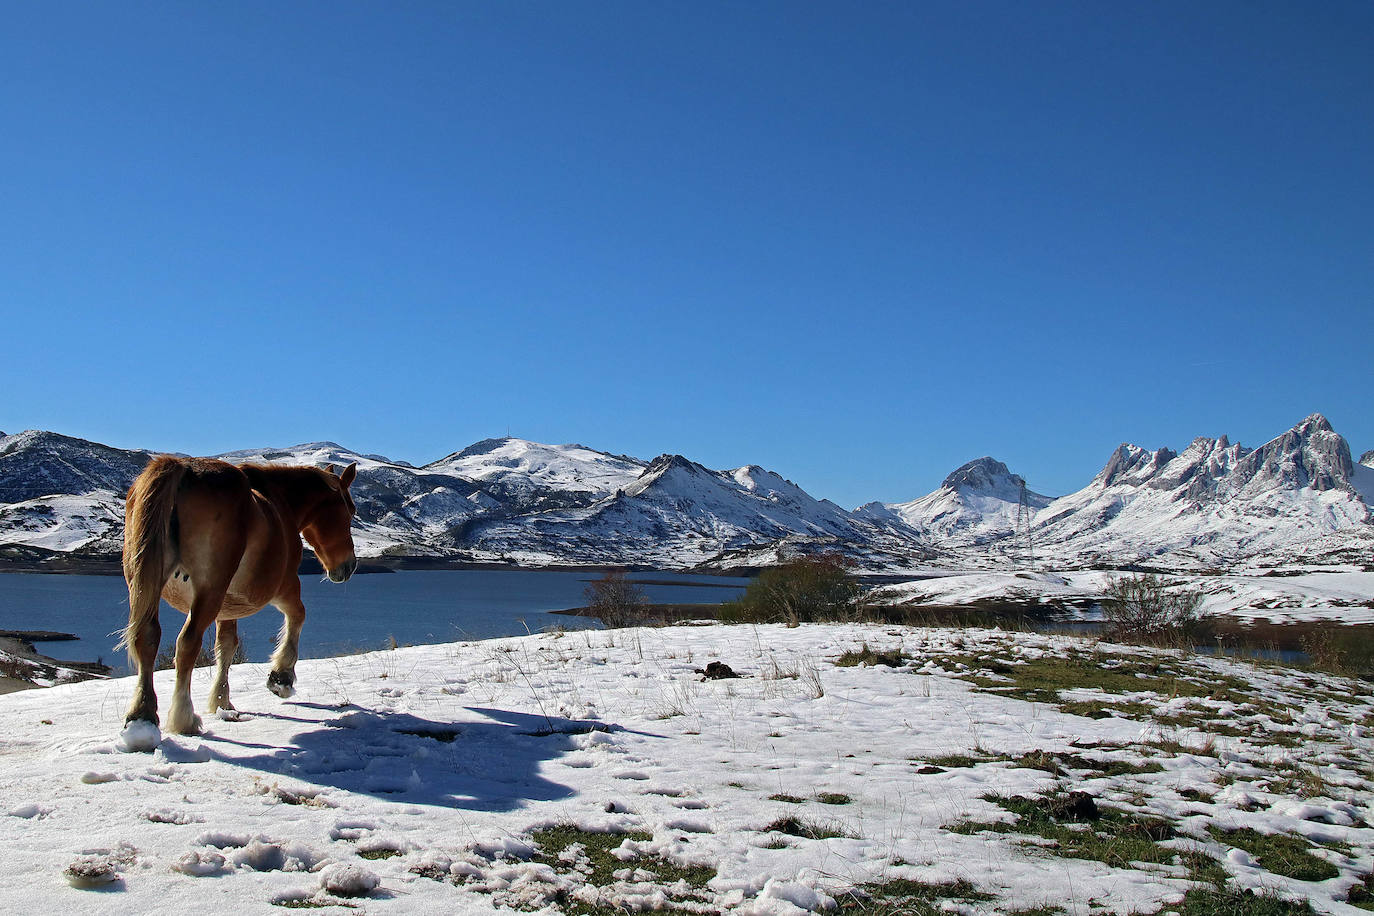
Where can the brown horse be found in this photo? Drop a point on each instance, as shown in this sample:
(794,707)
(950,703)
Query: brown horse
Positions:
(219,541)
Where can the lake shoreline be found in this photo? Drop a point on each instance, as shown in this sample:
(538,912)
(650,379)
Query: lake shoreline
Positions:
(33,561)
(19,657)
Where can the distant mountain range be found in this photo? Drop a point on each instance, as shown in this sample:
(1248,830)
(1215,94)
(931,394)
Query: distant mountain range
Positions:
(1299,497)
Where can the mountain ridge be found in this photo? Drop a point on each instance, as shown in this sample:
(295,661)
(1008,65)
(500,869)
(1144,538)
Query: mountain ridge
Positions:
(513,500)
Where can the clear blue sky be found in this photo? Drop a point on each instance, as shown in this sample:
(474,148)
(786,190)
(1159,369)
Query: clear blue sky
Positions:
(859,244)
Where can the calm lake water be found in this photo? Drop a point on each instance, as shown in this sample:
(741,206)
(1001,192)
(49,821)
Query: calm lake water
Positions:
(414,607)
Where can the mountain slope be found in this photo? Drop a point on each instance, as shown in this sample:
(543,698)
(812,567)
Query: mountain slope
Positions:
(530,476)
(676,512)
(61,493)
(976,503)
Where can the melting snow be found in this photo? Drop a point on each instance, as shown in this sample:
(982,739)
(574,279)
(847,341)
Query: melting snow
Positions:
(376,785)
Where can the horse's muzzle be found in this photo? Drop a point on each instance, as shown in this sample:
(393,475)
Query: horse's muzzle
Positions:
(344,571)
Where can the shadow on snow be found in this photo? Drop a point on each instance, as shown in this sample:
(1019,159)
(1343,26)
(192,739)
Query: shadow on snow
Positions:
(492,764)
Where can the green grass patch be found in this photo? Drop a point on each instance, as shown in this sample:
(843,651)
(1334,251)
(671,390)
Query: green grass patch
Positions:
(789,799)
(833,798)
(869,657)
(1203,901)
(1042,679)
(1279,853)
(1103,709)
(600,866)
(1362,895)
(1077,829)
(1061,763)
(902,897)
(960,761)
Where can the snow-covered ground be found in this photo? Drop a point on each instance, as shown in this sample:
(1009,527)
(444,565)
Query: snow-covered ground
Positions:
(1340,596)
(419,780)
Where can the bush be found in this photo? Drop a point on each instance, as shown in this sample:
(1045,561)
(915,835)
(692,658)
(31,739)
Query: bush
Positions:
(616,600)
(1145,608)
(815,587)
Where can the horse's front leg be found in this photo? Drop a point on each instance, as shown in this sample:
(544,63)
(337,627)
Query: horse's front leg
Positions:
(181,716)
(282,679)
(226,644)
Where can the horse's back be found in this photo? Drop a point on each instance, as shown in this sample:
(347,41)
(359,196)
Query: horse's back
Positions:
(228,536)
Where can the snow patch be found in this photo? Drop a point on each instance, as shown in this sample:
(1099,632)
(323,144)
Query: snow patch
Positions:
(139,736)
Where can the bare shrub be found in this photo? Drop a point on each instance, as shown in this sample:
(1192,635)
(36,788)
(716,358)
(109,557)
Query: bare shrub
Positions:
(1145,608)
(616,600)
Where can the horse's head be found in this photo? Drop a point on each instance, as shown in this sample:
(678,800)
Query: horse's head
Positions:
(328,528)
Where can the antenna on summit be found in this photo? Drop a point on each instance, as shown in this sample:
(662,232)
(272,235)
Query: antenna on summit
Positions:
(1023,526)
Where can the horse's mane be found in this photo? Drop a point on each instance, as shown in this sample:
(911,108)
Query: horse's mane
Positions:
(295,485)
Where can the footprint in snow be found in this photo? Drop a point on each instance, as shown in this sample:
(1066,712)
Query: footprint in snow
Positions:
(691,804)
(170,816)
(351,829)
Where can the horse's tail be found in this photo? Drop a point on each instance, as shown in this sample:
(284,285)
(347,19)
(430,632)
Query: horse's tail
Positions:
(148,542)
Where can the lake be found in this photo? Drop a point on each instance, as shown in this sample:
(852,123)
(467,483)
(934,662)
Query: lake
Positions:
(413,607)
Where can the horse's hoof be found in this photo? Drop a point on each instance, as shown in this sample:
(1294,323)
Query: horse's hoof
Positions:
(190,725)
(281,684)
(194,727)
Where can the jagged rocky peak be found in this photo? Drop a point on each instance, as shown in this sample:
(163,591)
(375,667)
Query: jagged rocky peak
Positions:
(1367,459)
(1131,464)
(664,463)
(1311,454)
(1194,472)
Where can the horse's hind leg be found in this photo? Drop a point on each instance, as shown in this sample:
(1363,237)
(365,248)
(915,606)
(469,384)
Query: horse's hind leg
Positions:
(226,644)
(144,643)
(282,679)
(181,716)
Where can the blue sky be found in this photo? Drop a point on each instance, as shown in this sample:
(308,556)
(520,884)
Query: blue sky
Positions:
(859,244)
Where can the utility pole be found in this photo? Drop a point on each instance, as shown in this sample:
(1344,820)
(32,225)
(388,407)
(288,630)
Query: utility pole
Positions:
(1023,525)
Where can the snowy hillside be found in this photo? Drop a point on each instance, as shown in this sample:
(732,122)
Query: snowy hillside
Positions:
(976,503)
(63,494)
(400,508)
(533,476)
(678,512)
(600,769)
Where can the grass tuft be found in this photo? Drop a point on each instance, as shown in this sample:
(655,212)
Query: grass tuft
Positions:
(902,897)
(1279,853)
(795,826)
(870,657)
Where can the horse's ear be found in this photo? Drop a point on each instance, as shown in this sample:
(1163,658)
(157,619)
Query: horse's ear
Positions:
(349,473)
(331,469)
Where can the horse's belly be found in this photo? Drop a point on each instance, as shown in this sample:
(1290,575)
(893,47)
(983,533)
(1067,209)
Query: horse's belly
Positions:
(234,608)
(179,594)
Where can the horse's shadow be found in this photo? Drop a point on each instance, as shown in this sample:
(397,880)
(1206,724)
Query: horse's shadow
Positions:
(489,764)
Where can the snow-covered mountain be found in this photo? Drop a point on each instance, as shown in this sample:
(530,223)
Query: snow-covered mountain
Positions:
(62,494)
(1214,503)
(499,500)
(530,476)
(511,500)
(681,513)
(977,503)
